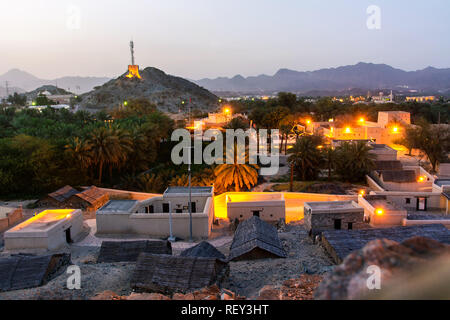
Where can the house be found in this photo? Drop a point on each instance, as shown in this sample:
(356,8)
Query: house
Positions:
(329,215)
(89,200)
(380,212)
(255,239)
(48,230)
(268,207)
(58,198)
(157,216)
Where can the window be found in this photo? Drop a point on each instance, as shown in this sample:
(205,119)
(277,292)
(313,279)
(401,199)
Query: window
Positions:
(165,208)
(256,213)
(338,224)
(350,226)
(408,200)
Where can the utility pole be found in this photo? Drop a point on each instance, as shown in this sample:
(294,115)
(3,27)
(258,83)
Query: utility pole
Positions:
(7,89)
(190,193)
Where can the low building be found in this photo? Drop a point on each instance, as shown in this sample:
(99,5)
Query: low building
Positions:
(49,230)
(329,215)
(380,212)
(58,198)
(421,99)
(256,239)
(89,200)
(268,207)
(151,217)
(9,217)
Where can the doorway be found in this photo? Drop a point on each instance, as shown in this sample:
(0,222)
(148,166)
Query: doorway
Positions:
(421,204)
(68,236)
(165,208)
(256,213)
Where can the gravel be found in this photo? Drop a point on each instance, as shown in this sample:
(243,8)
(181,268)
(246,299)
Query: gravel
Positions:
(246,277)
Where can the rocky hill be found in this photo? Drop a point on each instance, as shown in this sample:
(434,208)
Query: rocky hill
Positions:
(52,89)
(166,91)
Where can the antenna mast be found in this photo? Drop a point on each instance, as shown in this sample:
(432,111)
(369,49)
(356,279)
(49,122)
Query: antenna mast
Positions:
(132,52)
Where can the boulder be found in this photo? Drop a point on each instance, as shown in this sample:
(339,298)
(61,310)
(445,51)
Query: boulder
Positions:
(395,260)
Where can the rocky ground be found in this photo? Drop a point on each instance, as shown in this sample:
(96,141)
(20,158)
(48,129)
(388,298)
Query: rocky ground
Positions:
(247,278)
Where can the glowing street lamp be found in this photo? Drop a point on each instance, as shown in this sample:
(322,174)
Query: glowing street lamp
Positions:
(421,179)
(395,129)
(348,130)
(362,193)
(362,120)
(380,212)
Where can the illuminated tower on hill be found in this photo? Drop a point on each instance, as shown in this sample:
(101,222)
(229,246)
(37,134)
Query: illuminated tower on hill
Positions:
(133,69)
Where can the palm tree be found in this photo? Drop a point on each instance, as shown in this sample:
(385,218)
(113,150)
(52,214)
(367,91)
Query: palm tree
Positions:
(305,157)
(330,158)
(80,151)
(355,161)
(236,174)
(106,149)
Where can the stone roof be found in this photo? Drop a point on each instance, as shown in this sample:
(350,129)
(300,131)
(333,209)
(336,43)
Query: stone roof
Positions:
(398,176)
(63,194)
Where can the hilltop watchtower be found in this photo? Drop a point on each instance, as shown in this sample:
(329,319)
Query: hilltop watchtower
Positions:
(133,69)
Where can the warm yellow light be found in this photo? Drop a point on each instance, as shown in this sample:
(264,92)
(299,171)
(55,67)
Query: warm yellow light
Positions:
(348,130)
(227,110)
(331,120)
(319,147)
(133,72)
(362,193)
(421,179)
(308,121)
(380,212)
(361,120)
(395,129)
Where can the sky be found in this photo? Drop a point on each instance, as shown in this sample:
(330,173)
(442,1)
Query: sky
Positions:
(211,38)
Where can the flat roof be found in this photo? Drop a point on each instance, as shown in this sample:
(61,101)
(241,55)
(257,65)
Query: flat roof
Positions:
(175,190)
(442,182)
(118,205)
(381,202)
(43,220)
(330,206)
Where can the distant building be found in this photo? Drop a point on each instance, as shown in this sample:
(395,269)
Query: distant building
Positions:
(421,99)
(388,128)
(383,99)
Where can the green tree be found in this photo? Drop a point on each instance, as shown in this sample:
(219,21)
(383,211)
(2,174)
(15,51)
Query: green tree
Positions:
(305,157)
(354,161)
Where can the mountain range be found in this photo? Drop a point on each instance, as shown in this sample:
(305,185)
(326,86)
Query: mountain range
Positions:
(362,75)
(21,81)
